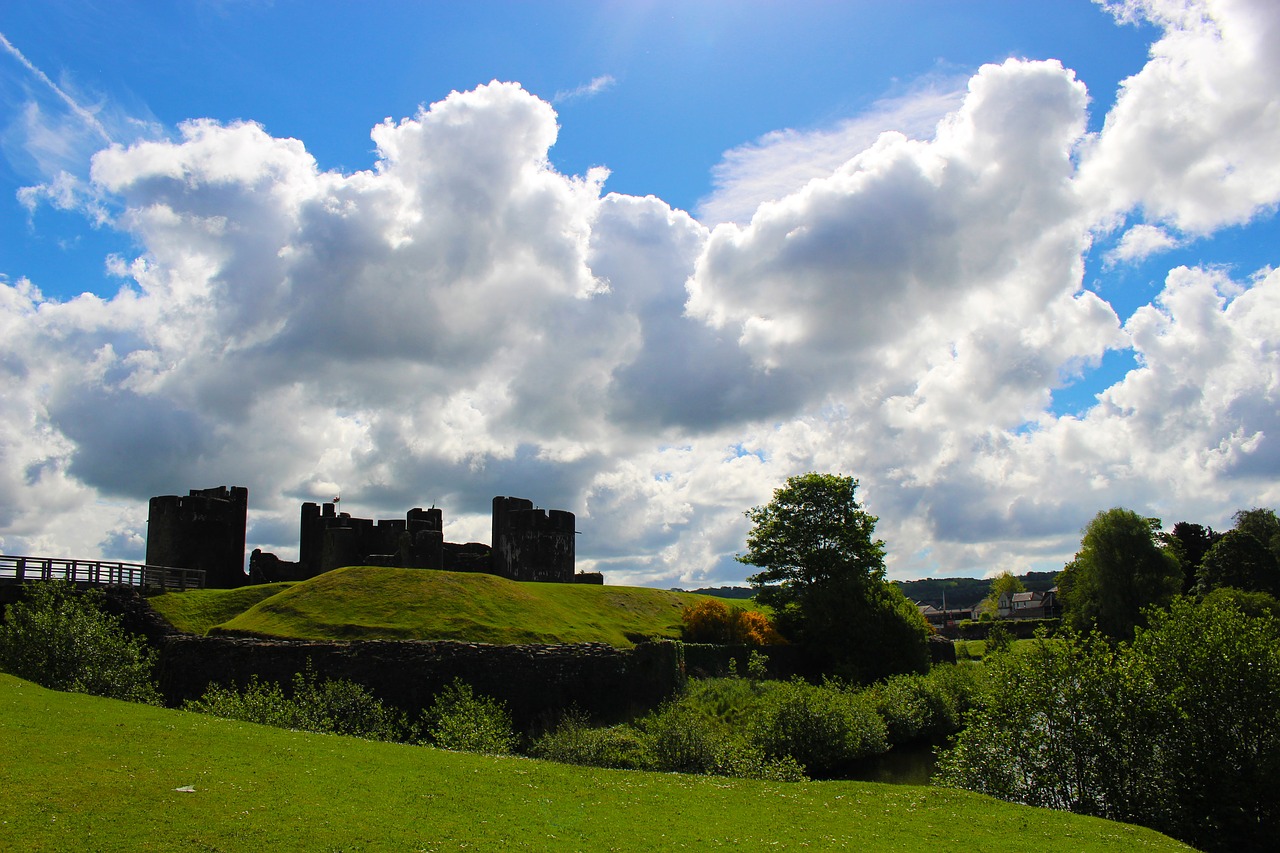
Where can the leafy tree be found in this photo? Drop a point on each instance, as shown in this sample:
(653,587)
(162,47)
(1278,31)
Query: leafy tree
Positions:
(1190,542)
(1178,731)
(1241,561)
(64,640)
(823,574)
(1004,583)
(1219,669)
(1064,726)
(1119,570)
(1263,525)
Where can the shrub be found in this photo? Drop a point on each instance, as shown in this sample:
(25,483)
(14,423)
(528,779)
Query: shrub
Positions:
(999,640)
(460,720)
(821,727)
(679,738)
(574,741)
(335,706)
(346,708)
(711,621)
(258,702)
(64,640)
(1178,731)
(913,707)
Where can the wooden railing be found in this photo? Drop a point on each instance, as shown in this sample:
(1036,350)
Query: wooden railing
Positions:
(98,573)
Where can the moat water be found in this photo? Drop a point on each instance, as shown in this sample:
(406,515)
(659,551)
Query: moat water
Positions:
(909,765)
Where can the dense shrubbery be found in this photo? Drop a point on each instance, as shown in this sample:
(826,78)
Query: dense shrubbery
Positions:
(711,621)
(458,719)
(335,706)
(1178,730)
(63,639)
(824,728)
(771,729)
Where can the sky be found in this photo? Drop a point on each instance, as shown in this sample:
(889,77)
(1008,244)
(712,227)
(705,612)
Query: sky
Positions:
(1008,264)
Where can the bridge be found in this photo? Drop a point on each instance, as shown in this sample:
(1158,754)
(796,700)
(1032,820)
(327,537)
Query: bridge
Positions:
(16,570)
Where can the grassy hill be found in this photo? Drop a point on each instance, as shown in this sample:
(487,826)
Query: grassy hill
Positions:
(82,773)
(369,603)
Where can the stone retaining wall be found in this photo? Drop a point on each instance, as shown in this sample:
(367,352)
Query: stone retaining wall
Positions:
(538,682)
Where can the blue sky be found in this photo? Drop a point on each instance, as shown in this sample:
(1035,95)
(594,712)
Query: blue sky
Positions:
(969,288)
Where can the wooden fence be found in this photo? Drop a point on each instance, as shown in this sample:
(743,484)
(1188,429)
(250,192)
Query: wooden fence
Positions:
(98,573)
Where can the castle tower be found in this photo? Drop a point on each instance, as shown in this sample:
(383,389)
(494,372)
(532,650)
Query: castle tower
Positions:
(204,530)
(532,544)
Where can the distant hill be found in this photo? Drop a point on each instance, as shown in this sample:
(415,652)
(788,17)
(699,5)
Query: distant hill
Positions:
(726,591)
(370,603)
(966,592)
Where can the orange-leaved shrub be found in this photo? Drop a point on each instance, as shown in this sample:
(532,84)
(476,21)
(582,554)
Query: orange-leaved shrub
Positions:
(711,621)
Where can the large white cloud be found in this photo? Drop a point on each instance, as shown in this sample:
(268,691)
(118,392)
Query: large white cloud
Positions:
(1191,139)
(461,320)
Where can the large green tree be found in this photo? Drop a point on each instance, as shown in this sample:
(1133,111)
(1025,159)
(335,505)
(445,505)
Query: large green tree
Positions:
(822,571)
(1240,561)
(1119,570)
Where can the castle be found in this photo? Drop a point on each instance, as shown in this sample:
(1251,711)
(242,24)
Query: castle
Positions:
(206,530)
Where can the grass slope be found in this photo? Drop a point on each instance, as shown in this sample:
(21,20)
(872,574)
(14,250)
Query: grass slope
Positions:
(81,773)
(369,603)
(195,611)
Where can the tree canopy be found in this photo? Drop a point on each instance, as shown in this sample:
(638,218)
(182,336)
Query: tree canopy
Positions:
(822,571)
(1119,570)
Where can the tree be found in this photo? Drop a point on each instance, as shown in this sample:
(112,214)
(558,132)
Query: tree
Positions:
(1263,525)
(64,640)
(1190,542)
(1119,570)
(1239,560)
(1002,584)
(1178,730)
(823,574)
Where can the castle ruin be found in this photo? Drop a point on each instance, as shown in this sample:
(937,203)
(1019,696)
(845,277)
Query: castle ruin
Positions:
(204,531)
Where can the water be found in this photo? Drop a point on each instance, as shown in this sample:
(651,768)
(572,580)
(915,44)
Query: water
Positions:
(903,765)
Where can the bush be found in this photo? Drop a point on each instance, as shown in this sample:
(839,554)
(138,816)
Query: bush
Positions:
(1178,731)
(711,621)
(999,640)
(574,741)
(460,720)
(821,727)
(334,706)
(678,738)
(64,640)
(915,707)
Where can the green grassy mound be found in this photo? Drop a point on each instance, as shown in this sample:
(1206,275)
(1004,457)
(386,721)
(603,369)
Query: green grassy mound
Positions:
(82,773)
(195,611)
(369,603)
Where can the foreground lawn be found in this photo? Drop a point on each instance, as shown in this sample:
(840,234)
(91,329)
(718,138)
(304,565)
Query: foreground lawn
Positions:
(81,773)
(370,603)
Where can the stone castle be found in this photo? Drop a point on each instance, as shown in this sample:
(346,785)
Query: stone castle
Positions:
(206,530)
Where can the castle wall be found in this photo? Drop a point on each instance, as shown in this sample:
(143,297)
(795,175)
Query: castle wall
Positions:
(538,682)
(204,530)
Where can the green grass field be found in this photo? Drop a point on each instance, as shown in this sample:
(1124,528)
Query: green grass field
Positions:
(82,773)
(368,603)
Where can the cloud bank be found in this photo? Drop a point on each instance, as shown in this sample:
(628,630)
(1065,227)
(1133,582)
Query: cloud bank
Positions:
(462,320)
